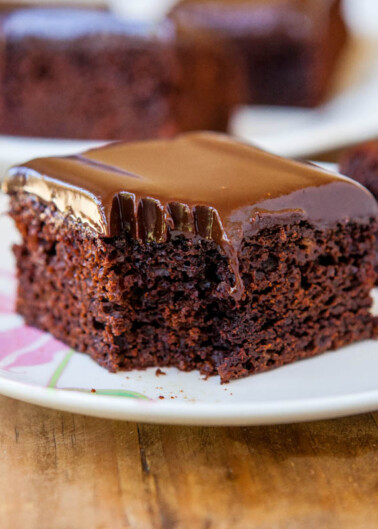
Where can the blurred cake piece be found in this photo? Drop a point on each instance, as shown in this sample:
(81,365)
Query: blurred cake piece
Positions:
(361,164)
(289,47)
(85,74)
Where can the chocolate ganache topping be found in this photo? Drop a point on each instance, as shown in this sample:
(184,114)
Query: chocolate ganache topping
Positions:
(200,184)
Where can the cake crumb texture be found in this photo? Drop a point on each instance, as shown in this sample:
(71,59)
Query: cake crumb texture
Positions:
(131,305)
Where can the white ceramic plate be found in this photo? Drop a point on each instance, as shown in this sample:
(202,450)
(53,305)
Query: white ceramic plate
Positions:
(350,115)
(38,369)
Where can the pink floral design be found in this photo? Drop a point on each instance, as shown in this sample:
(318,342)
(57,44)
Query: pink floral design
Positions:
(25,346)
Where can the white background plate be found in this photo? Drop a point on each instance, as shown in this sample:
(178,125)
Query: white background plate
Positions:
(37,369)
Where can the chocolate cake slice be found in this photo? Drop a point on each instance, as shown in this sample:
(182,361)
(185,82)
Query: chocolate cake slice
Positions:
(86,74)
(289,47)
(199,252)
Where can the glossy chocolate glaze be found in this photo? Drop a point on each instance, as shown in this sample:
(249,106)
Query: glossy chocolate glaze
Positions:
(200,184)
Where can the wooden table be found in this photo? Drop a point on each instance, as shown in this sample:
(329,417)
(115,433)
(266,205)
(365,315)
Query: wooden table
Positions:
(64,471)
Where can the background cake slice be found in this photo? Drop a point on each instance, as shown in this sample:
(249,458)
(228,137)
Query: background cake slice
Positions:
(361,163)
(290,48)
(85,74)
(198,252)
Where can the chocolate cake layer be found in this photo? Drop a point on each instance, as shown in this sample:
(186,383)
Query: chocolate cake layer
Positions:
(86,74)
(289,47)
(198,252)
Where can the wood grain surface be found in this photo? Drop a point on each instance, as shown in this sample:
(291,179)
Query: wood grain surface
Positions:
(64,471)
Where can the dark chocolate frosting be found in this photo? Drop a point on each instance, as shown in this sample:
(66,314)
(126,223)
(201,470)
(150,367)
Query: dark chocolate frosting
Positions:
(203,184)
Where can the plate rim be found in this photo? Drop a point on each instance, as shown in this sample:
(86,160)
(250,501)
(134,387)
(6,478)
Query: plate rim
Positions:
(189,413)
